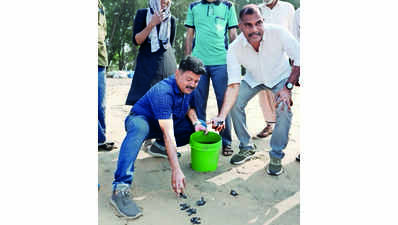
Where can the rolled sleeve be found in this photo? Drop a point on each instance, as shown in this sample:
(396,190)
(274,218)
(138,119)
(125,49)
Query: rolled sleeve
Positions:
(189,21)
(233,67)
(161,104)
(291,46)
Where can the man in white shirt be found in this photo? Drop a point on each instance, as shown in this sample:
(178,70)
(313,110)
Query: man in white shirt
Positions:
(261,49)
(281,13)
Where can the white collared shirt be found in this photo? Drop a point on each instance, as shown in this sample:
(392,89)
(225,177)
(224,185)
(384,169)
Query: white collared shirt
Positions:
(282,14)
(270,64)
(296,24)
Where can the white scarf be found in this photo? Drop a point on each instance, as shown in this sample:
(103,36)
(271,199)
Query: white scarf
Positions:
(165,26)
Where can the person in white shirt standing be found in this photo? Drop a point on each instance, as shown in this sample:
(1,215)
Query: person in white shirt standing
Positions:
(296,33)
(281,13)
(261,49)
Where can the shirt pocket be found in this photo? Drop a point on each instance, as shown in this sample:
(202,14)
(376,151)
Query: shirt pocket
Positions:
(220,20)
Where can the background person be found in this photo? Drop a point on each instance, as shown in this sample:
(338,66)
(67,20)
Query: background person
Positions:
(103,145)
(281,13)
(208,22)
(154,31)
(296,33)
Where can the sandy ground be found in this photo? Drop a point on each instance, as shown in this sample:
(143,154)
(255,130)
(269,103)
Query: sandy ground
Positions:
(262,199)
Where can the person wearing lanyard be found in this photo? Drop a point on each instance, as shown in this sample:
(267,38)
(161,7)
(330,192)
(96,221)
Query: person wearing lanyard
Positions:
(208,23)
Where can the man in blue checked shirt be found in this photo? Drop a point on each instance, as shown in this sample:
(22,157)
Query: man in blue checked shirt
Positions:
(166,113)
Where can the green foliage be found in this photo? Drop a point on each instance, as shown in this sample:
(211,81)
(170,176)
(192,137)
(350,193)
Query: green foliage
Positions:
(120,17)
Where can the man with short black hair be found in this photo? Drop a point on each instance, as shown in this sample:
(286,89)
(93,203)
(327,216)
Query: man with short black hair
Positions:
(165,112)
(264,45)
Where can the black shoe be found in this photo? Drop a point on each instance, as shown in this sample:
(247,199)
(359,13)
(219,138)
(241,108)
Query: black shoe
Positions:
(274,167)
(242,156)
(159,151)
(298,158)
(106,147)
(123,204)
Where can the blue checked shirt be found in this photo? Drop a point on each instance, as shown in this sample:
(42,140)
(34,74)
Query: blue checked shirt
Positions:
(164,101)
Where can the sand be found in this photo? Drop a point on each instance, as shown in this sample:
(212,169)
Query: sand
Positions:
(262,199)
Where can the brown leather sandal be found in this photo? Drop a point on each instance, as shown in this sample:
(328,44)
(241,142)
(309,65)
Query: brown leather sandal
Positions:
(267,131)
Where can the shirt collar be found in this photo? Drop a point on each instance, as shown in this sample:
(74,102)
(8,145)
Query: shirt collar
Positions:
(175,86)
(217,2)
(264,6)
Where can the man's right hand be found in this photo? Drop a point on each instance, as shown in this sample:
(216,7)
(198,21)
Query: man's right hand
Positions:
(177,181)
(156,19)
(218,123)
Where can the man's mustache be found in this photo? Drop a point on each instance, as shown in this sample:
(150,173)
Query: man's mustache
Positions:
(254,33)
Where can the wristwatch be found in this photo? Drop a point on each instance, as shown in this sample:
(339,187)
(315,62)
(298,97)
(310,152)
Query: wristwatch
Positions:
(289,86)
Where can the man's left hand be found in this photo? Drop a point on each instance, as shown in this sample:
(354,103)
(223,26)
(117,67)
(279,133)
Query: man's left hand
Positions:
(285,96)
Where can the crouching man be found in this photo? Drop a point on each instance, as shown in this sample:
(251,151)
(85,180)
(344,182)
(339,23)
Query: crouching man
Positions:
(164,113)
(263,49)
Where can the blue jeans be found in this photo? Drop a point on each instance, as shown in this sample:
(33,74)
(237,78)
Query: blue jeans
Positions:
(101,105)
(219,78)
(138,129)
(280,134)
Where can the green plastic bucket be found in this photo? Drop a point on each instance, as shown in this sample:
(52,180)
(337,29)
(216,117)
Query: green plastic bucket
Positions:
(205,151)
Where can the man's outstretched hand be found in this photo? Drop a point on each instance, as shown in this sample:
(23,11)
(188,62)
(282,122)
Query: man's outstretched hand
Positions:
(177,181)
(218,124)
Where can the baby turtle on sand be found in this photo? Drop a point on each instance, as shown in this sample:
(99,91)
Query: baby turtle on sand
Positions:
(195,220)
(234,193)
(191,211)
(184,206)
(201,202)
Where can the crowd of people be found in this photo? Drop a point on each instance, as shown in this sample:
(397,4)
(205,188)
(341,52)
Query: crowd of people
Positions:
(169,103)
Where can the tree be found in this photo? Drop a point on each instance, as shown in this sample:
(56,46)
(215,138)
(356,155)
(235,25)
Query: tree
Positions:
(120,17)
